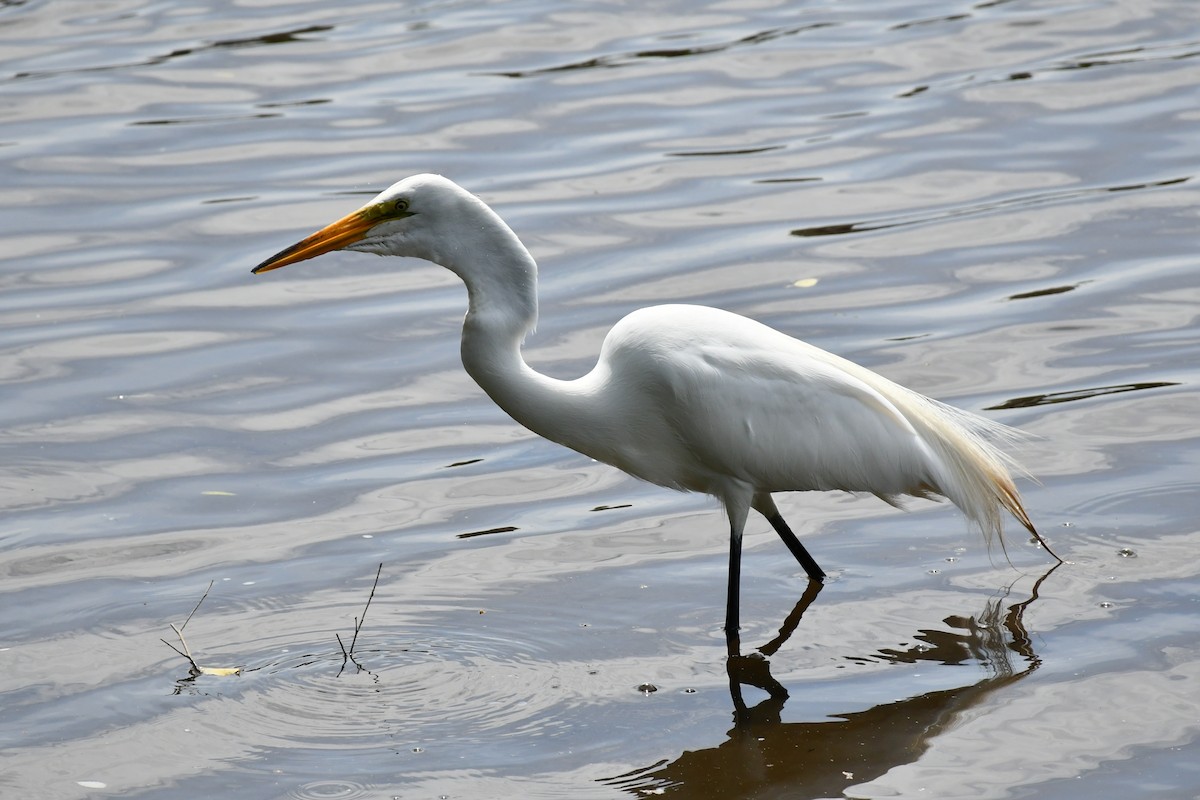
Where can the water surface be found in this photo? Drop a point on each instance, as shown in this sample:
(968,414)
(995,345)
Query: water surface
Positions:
(991,202)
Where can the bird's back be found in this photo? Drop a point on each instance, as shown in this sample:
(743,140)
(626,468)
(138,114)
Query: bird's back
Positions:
(720,398)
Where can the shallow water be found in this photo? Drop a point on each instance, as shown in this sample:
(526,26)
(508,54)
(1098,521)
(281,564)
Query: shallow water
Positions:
(993,203)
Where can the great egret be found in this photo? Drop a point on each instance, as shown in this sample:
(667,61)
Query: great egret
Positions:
(688,397)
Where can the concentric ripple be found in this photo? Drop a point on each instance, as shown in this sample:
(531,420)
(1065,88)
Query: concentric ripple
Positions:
(330,790)
(398,691)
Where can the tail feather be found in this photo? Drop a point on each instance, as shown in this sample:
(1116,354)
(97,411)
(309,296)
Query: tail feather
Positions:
(975,473)
(969,466)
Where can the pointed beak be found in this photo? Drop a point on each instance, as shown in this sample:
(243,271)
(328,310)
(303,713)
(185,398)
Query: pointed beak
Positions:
(346,231)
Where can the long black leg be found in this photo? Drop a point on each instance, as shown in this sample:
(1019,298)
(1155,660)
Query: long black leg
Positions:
(732,602)
(808,562)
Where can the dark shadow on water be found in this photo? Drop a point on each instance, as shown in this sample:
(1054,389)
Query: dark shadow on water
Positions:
(626,59)
(1052,290)
(766,757)
(1079,394)
(1030,200)
(301,34)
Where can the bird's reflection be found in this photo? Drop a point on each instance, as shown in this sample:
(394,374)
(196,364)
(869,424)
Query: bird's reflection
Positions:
(764,755)
(754,669)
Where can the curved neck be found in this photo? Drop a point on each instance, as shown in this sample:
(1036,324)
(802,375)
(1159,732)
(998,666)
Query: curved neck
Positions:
(555,409)
(502,292)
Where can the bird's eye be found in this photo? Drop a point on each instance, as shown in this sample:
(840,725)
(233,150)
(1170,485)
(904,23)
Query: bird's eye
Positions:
(400,205)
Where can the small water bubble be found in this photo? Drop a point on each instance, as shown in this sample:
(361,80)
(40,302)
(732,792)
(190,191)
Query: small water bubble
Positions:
(935,572)
(1107,604)
(689,691)
(1125,552)
(647,688)
(1068,524)
(951,559)
(418,749)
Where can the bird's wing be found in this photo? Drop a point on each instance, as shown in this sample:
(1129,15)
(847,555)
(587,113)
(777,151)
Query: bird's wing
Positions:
(748,402)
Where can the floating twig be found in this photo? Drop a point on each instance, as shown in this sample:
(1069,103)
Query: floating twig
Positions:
(348,654)
(186,652)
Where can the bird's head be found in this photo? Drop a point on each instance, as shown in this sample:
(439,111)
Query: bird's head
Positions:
(406,219)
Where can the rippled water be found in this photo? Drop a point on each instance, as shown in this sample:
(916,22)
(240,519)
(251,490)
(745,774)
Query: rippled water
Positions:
(992,202)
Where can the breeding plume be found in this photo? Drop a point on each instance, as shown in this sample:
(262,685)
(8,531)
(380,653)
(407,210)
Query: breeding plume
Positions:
(688,397)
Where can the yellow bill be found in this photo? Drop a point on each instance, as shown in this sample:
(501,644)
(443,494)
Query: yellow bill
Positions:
(347,230)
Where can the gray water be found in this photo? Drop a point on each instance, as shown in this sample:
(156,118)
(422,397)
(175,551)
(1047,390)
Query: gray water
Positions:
(994,203)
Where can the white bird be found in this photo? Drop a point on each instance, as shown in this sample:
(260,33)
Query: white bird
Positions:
(688,397)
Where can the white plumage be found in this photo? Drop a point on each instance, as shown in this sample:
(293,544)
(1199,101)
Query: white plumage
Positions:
(688,397)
